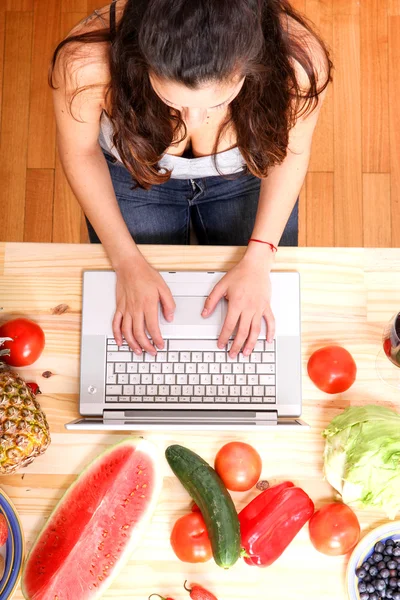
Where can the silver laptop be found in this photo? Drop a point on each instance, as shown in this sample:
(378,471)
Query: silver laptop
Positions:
(190,384)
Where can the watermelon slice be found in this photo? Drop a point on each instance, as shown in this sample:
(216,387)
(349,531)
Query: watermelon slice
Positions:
(96,525)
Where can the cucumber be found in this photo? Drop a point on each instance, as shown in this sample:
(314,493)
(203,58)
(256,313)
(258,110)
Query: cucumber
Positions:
(211,496)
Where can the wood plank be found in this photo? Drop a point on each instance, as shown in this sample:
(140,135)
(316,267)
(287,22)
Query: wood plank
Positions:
(302,241)
(347,135)
(299,5)
(15,118)
(42,127)
(2,42)
(93,5)
(377,210)
(84,231)
(394,116)
(39,205)
(347,7)
(321,14)
(374,87)
(67,212)
(394,8)
(19,5)
(74,6)
(320,213)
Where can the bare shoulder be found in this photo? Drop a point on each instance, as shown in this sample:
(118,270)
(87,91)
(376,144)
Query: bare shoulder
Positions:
(312,49)
(83,66)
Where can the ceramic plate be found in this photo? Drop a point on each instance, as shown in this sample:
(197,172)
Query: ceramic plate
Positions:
(13,550)
(364,549)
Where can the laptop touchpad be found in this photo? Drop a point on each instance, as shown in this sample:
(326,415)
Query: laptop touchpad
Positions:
(188,312)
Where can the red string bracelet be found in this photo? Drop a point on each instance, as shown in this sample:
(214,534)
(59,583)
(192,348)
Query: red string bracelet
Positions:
(273,248)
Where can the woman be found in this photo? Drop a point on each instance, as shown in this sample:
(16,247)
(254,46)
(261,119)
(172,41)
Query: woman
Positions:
(171,110)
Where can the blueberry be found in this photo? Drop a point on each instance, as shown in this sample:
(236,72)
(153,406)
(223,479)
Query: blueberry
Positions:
(371,560)
(392,564)
(373,571)
(379,547)
(380,585)
(374,596)
(392,572)
(393,582)
(385,573)
(362,587)
(365,596)
(389,542)
(396,596)
(368,577)
(388,550)
(377,556)
(381,565)
(370,588)
(396,551)
(387,558)
(366,566)
(389,594)
(361,573)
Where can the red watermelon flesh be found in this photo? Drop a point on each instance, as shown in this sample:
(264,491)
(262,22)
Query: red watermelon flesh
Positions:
(95,526)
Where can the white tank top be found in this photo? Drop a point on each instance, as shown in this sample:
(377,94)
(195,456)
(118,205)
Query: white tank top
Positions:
(229,162)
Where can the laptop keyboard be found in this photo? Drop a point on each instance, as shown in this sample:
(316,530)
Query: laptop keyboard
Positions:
(194,371)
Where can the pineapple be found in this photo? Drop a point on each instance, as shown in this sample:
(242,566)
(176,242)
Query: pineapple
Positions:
(24,431)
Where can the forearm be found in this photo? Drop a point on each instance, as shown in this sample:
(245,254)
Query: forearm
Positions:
(91,183)
(278,194)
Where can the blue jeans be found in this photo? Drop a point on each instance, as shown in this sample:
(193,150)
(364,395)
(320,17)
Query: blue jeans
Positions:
(222,210)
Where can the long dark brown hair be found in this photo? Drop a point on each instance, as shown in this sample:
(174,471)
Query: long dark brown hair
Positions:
(195,42)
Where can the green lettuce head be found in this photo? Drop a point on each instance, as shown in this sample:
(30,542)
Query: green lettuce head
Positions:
(362,457)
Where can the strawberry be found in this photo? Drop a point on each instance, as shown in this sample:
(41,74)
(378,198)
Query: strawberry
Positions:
(3,530)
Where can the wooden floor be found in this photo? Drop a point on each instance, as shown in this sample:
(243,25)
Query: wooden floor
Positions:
(352,192)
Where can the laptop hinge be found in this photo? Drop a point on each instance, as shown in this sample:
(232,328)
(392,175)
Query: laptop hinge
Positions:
(189,416)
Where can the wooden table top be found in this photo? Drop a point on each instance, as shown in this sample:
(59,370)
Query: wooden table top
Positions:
(347,297)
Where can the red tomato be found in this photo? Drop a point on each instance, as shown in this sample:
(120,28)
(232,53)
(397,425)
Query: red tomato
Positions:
(27,342)
(332,369)
(189,539)
(239,466)
(334,529)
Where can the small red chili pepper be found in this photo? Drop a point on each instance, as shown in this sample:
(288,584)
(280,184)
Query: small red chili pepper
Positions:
(271,521)
(195,508)
(33,387)
(199,593)
(161,597)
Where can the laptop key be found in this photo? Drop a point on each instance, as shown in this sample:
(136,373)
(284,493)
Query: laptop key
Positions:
(134,379)
(148,398)
(124,399)
(197,357)
(185,357)
(196,399)
(255,357)
(252,379)
(146,378)
(151,390)
(229,379)
(140,390)
(269,390)
(163,390)
(257,399)
(132,368)
(172,399)
(223,390)
(268,357)
(113,390)
(214,368)
(205,379)
(119,356)
(234,390)
(233,399)
(238,368)
(211,390)
(170,379)
(246,390)
(258,390)
(160,399)
(199,390)
(176,390)
(269,400)
(190,368)
(149,357)
(250,368)
(155,368)
(226,368)
(128,390)
(137,398)
(161,356)
(208,357)
(123,378)
(179,368)
(173,357)
(220,399)
(187,390)
(208,399)
(202,367)
(220,357)
(269,346)
(241,379)
(194,379)
(158,378)
(167,368)
(144,368)
(267,379)
(120,367)
(267,368)
(217,379)
(112,398)
(182,379)
(243,358)
(259,346)
(111,379)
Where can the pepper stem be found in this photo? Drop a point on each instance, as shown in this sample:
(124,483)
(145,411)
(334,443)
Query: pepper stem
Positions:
(158,596)
(244,554)
(186,588)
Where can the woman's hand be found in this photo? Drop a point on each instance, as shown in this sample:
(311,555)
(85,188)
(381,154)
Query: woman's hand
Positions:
(247,287)
(139,290)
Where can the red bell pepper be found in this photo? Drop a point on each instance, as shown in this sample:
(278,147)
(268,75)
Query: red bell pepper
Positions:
(270,522)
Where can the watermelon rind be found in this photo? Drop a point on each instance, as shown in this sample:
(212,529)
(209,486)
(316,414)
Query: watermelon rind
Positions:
(152,452)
